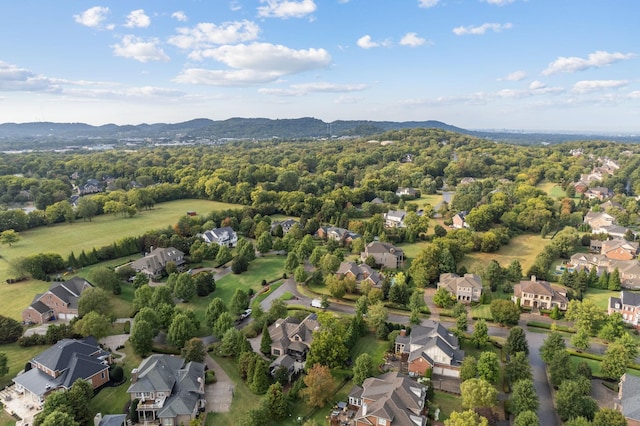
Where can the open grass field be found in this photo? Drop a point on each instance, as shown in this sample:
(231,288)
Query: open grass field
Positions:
(600,297)
(523,248)
(17,357)
(595,366)
(553,190)
(432,199)
(113,400)
(64,238)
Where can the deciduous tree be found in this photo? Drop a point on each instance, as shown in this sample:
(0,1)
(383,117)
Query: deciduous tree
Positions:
(362,368)
(320,386)
(478,393)
(523,397)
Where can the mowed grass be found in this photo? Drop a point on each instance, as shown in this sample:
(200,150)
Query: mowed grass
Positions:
(447,403)
(17,357)
(112,400)
(268,268)
(595,366)
(64,238)
(372,346)
(553,190)
(523,248)
(600,297)
(431,199)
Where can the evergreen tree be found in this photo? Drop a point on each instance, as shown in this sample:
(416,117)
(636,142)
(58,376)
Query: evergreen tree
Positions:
(516,341)
(260,382)
(603,281)
(265,341)
(614,281)
(276,402)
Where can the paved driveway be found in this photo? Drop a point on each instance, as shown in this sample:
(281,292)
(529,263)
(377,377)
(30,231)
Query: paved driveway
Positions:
(220,393)
(546,410)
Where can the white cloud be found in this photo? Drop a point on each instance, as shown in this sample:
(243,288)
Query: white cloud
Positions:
(137,48)
(206,34)
(366,42)
(285,9)
(596,59)
(482,29)
(346,99)
(499,2)
(427,3)
(13,78)
(235,6)
(93,17)
(514,76)
(137,19)
(266,57)
(179,16)
(537,85)
(254,63)
(412,39)
(635,94)
(587,86)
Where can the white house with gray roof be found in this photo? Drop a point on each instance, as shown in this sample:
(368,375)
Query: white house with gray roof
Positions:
(168,390)
(224,236)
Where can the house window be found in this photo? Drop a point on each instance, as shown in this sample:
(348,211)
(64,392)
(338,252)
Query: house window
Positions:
(167,422)
(102,375)
(382,422)
(276,352)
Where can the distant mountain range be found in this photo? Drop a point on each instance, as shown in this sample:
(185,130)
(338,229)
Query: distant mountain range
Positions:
(258,128)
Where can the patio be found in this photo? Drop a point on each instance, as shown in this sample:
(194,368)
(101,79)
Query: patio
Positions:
(20,405)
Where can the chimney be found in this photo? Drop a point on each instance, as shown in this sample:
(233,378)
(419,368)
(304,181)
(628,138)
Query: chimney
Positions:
(403,332)
(97,419)
(134,375)
(364,409)
(533,278)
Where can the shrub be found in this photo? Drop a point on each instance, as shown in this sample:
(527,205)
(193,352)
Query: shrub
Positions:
(127,327)
(117,374)
(210,377)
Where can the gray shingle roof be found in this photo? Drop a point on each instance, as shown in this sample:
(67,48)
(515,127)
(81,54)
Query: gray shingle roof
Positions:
(58,357)
(156,374)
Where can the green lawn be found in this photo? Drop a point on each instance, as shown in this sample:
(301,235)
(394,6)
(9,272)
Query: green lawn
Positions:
(595,366)
(268,268)
(523,248)
(447,403)
(553,190)
(374,347)
(432,199)
(113,400)
(600,297)
(64,238)
(17,358)
(6,419)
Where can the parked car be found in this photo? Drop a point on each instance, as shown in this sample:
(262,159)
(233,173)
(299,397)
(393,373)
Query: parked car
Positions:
(246,314)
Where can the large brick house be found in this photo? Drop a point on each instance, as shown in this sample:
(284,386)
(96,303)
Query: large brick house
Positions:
(627,305)
(385,254)
(619,249)
(61,365)
(539,294)
(390,400)
(429,347)
(341,235)
(169,390)
(60,301)
(467,288)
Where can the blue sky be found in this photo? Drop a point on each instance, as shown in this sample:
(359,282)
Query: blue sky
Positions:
(478,64)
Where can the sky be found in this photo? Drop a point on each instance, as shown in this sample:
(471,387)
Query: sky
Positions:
(523,65)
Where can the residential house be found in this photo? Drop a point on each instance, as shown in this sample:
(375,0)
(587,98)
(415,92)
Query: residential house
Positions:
(60,301)
(614,231)
(407,192)
(429,346)
(384,254)
(377,200)
(610,204)
(627,305)
(598,219)
(619,249)
(467,180)
(628,401)
(629,273)
(595,246)
(458,220)
(290,341)
(394,218)
(341,235)
(286,225)
(360,273)
(91,187)
(598,193)
(110,420)
(61,365)
(224,236)
(539,294)
(581,186)
(467,288)
(153,264)
(389,400)
(169,391)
